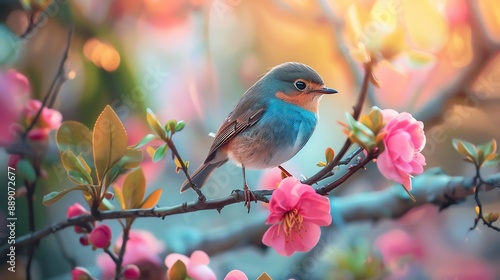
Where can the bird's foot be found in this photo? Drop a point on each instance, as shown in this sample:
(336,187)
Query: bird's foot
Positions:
(249,196)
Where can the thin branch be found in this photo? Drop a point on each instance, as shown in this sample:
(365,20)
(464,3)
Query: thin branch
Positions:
(53,90)
(346,161)
(111,255)
(480,216)
(356,113)
(175,152)
(352,169)
(119,262)
(213,204)
(32,24)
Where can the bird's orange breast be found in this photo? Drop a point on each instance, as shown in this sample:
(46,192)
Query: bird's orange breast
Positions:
(309,102)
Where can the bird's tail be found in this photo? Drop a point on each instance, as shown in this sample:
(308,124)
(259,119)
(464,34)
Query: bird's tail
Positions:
(200,176)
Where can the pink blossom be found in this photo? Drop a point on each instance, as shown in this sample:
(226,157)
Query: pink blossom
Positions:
(197,265)
(131,272)
(397,245)
(404,141)
(14,91)
(142,250)
(236,275)
(13,160)
(296,213)
(80,273)
(49,120)
(76,210)
(100,236)
(270,181)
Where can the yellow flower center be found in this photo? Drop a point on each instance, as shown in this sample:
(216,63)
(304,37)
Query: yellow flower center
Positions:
(292,220)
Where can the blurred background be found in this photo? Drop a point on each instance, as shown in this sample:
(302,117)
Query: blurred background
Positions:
(192,60)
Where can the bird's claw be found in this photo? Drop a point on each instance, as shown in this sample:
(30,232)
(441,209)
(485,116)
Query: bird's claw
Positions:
(249,196)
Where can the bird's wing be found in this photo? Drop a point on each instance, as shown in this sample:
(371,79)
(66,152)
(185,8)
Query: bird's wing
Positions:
(235,123)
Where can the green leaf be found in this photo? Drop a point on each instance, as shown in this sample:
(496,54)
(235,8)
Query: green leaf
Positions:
(76,137)
(106,205)
(134,188)
(26,168)
(329,154)
(321,164)
(350,120)
(151,200)
(466,149)
(171,124)
(155,124)
(52,197)
(148,138)
(85,165)
(76,167)
(130,160)
(492,159)
(160,152)
(109,141)
(77,177)
(178,271)
(178,166)
(180,126)
(119,197)
(488,148)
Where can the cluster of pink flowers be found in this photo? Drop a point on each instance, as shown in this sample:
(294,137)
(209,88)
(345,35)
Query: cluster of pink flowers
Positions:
(14,93)
(49,120)
(142,251)
(15,104)
(197,267)
(99,237)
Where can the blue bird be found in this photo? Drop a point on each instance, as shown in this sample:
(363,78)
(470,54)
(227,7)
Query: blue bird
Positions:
(272,121)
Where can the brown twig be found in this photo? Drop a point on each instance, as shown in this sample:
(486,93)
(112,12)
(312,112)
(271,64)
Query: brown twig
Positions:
(31,186)
(175,152)
(53,90)
(119,262)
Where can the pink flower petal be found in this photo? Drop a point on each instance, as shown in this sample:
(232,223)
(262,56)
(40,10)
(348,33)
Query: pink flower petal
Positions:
(316,209)
(199,258)
(171,259)
(307,239)
(386,166)
(398,145)
(236,275)
(272,239)
(201,272)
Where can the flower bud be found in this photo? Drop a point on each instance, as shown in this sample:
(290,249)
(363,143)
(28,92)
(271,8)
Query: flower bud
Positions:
(76,210)
(80,273)
(131,272)
(100,236)
(84,240)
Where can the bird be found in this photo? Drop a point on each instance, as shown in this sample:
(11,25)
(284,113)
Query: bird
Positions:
(271,122)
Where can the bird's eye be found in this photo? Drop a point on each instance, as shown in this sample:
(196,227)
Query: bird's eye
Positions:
(300,85)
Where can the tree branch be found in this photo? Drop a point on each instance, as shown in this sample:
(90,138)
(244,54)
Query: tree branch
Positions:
(432,187)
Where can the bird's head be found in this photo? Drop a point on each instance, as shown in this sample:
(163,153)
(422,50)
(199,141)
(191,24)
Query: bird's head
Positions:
(298,84)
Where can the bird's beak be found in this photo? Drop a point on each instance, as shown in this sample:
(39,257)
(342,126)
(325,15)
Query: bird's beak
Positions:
(326,90)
